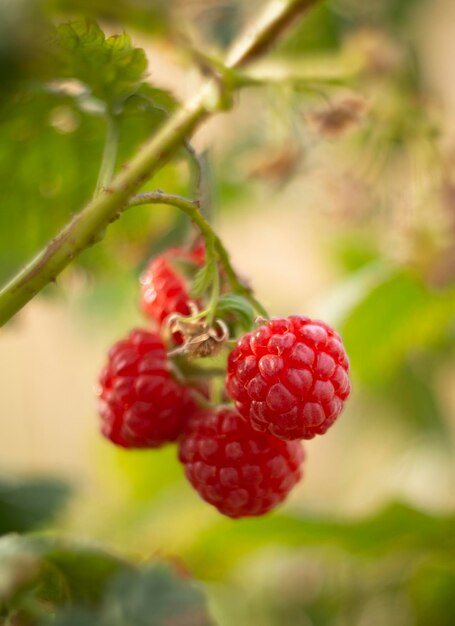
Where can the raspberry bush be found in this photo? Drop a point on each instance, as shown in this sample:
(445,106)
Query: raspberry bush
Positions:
(206,406)
(210,375)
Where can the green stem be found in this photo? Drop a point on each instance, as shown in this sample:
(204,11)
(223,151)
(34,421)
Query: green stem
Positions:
(88,227)
(214,297)
(191,209)
(109,157)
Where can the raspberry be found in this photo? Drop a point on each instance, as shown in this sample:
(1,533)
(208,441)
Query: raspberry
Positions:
(164,289)
(240,471)
(289,377)
(141,405)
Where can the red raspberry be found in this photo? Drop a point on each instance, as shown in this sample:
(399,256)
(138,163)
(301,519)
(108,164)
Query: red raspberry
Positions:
(164,289)
(235,468)
(141,405)
(289,377)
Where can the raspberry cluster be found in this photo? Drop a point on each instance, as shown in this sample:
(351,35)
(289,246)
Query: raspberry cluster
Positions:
(288,379)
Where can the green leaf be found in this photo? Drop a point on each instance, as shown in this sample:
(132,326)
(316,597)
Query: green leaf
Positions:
(73,617)
(320,30)
(49,159)
(412,391)
(147,16)
(396,528)
(234,306)
(155,596)
(83,570)
(431,589)
(76,581)
(202,280)
(389,315)
(27,505)
(110,67)
(42,568)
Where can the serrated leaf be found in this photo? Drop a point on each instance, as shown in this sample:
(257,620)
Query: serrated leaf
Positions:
(232,305)
(26,505)
(202,280)
(112,68)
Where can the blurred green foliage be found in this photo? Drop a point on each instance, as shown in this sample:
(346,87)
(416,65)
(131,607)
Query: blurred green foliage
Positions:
(69,583)
(25,505)
(395,312)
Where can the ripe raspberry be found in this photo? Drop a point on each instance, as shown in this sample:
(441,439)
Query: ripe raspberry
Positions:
(289,377)
(164,289)
(238,470)
(141,405)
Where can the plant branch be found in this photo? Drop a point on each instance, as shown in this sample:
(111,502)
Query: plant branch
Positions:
(88,226)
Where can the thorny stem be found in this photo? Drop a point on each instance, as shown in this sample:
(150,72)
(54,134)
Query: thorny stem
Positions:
(88,227)
(191,209)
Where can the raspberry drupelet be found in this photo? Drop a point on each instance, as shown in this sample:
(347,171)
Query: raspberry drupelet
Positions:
(140,403)
(238,470)
(289,377)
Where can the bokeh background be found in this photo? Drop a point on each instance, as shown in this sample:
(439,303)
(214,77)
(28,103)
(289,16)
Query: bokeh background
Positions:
(335,195)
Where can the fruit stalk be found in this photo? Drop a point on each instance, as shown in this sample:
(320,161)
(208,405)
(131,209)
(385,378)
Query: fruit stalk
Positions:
(191,209)
(88,227)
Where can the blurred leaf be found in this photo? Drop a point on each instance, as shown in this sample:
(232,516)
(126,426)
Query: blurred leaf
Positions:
(412,391)
(151,17)
(355,250)
(50,152)
(432,591)
(66,571)
(397,528)
(202,280)
(79,571)
(156,596)
(74,617)
(27,505)
(78,582)
(110,67)
(385,12)
(232,305)
(319,30)
(23,48)
(396,315)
